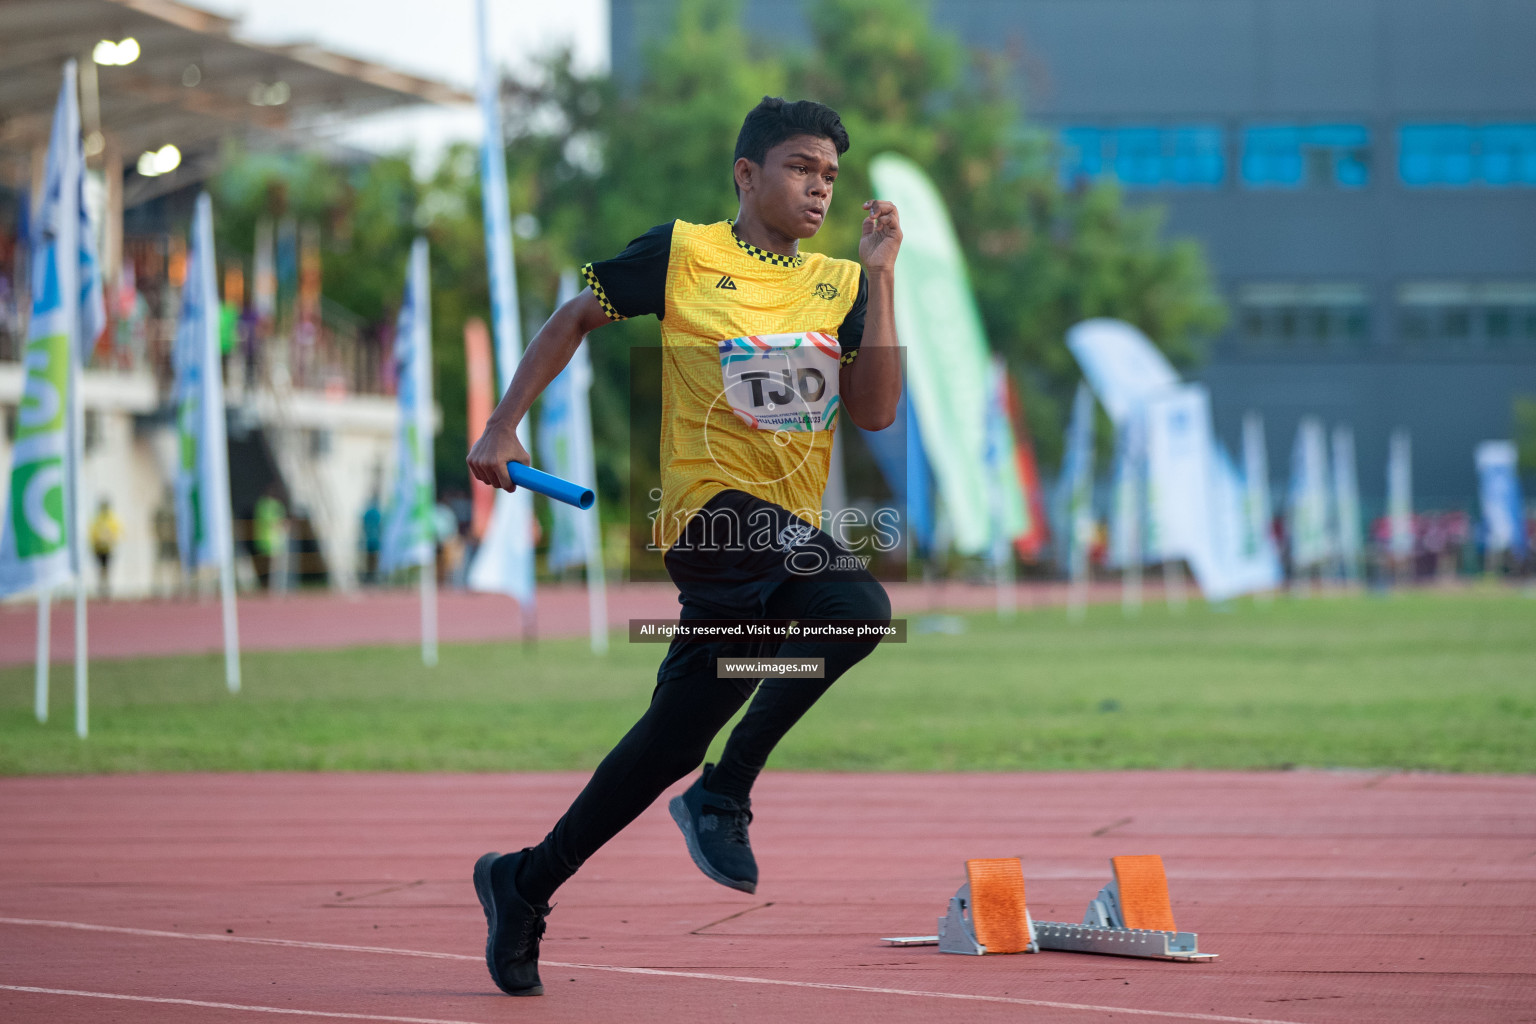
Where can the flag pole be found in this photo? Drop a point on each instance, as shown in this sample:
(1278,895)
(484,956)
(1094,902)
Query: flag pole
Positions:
(591,524)
(429,613)
(575,461)
(1080,503)
(512,516)
(1256,482)
(1173,586)
(42,550)
(597,588)
(1130,595)
(231,621)
(422,326)
(996,453)
(215,445)
(68,255)
(44,626)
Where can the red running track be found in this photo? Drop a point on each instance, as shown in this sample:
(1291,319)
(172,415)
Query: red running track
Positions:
(1331,897)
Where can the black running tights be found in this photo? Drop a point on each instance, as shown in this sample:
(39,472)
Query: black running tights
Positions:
(689,706)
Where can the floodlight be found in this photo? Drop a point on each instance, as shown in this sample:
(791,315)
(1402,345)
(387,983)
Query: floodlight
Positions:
(155,162)
(118,54)
(274,95)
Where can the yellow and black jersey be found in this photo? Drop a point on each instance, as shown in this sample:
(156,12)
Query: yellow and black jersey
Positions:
(707,286)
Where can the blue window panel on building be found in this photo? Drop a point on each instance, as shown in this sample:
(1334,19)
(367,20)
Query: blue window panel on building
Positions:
(1145,157)
(1509,154)
(1197,157)
(1435,154)
(1139,156)
(1272,156)
(1275,156)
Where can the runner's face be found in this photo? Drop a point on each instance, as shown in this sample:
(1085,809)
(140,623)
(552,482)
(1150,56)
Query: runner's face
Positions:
(793,189)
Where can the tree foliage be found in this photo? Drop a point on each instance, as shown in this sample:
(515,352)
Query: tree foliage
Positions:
(592,165)
(1041,256)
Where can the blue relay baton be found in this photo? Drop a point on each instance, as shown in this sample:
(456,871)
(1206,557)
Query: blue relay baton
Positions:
(550,486)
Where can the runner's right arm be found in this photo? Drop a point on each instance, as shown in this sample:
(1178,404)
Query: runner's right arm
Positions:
(547,355)
(633,283)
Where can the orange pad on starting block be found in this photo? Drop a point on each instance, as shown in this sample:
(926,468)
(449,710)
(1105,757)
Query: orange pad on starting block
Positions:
(1143,892)
(997,904)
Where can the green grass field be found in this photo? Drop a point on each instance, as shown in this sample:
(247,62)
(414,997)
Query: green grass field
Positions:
(1420,681)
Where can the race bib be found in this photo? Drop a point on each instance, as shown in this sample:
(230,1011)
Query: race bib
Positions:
(782,381)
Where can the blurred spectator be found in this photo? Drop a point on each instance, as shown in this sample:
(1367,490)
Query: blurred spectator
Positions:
(229,334)
(1458,543)
(1530,536)
(372,538)
(450,549)
(106,531)
(167,553)
(9,347)
(463,512)
(1098,546)
(1436,543)
(129,321)
(249,338)
(269,541)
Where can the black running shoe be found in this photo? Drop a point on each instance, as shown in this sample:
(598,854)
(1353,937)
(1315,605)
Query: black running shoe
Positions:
(715,827)
(515,926)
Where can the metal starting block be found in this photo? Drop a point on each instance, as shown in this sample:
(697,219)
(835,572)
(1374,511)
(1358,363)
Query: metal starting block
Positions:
(1131,916)
(986,915)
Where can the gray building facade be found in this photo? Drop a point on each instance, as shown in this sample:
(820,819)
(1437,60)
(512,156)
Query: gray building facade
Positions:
(1362,174)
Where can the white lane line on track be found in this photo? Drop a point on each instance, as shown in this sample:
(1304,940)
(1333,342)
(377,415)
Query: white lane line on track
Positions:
(654,972)
(204,1004)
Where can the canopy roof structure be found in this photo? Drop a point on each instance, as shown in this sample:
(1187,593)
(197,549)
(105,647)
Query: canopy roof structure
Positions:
(192,84)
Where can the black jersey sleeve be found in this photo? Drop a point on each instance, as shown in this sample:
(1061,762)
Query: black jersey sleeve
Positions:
(850,334)
(634,283)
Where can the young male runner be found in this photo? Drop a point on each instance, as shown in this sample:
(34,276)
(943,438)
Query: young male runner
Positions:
(751,331)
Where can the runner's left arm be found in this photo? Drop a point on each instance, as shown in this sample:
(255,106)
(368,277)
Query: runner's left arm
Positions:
(871,383)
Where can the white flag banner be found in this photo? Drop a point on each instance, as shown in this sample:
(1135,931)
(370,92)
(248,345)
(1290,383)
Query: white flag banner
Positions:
(946,354)
(1346,502)
(1199,502)
(66,297)
(408,533)
(1122,365)
(557,455)
(1307,514)
(1178,469)
(1129,529)
(504,562)
(1400,494)
(565,449)
(203,527)
(561,451)
(1256,499)
(1243,558)
(1073,496)
(1009,510)
(1499,491)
